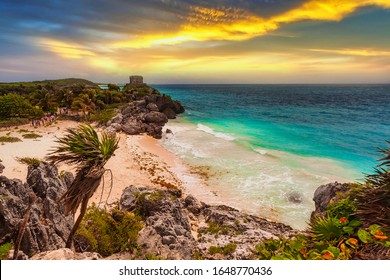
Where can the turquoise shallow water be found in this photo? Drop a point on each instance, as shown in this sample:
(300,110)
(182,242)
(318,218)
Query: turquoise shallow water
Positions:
(264,144)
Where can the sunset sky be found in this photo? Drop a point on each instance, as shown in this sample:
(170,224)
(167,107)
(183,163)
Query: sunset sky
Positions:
(166,41)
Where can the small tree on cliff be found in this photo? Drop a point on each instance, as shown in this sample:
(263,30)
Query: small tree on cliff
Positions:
(83,148)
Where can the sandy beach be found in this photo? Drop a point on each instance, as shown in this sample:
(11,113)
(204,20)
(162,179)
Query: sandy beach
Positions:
(140,160)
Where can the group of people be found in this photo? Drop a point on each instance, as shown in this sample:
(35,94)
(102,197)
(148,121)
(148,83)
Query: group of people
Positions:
(47,119)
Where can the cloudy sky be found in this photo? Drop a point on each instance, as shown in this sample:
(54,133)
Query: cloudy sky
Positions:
(167,41)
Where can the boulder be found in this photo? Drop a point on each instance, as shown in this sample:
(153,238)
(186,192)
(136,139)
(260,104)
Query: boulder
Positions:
(156,117)
(152,107)
(167,230)
(324,194)
(169,113)
(132,127)
(1,167)
(48,227)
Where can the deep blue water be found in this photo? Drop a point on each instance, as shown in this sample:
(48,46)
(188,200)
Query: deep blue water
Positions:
(341,122)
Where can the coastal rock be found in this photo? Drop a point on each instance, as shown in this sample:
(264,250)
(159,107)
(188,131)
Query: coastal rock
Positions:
(167,230)
(152,107)
(48,227)
(156,117)
(65,254)
(169,113)
(324,194)
(132,127)
(1,167)
(146,114)
(179,227)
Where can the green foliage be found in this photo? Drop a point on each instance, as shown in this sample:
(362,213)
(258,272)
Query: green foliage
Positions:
(373,198)
(225,250)
(13,105)
(9,139)
(327,228)
(103,116)
(82,146)
(4,249)
(31,136)
(13,122)
(109,232)
(34,162)
(216,229)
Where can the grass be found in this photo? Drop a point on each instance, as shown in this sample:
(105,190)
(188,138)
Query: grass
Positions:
(31,135)
(4,249)
(23,130)
(34,162)
(13,122)
(9,139)
(103,116)
(216,229)
(225,250)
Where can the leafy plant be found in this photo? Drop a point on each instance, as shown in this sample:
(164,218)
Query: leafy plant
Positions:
(326,228)
(108,232)
(83,148)
(4,249)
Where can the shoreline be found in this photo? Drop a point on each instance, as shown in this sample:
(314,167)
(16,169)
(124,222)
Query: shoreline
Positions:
(140,160)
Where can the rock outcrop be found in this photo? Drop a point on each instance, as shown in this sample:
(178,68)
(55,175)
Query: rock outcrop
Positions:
(324,194)
(145,114)
(66,254)
(48,227)
(179,227)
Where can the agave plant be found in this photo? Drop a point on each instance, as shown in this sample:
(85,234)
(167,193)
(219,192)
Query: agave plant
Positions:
(83,148)
(373,200)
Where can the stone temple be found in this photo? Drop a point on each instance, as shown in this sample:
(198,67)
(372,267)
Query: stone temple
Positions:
(136,80)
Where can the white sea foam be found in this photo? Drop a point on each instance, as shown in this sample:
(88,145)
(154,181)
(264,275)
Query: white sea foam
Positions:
(211,131)
(255,180)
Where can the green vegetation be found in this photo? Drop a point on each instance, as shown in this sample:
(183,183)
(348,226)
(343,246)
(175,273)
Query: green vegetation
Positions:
(108,232)
(103,116)
(30,100)
(34,162)
(216,229)
(31,136)
(83,147)
(4,249)
(355,225)
(225,250)
(9,139)
(13,122)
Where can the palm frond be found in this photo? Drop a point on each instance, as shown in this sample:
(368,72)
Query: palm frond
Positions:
(81,146)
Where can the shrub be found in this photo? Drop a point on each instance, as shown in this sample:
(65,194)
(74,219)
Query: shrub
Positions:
(9,139)
(34,162)
(108,232)
(31,136)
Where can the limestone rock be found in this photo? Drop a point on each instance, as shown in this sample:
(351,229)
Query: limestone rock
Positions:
(48,227)
(156,117)
(65,254)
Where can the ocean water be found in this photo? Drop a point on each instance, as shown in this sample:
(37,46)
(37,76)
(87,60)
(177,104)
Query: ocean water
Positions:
(265,148)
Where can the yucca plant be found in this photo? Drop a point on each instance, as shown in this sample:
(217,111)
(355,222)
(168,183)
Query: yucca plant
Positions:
(83,147)
(373,200)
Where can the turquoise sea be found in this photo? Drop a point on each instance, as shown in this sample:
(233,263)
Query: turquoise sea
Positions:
(266,148)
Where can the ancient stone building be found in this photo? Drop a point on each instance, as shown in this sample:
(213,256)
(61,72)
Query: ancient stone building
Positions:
(136,80)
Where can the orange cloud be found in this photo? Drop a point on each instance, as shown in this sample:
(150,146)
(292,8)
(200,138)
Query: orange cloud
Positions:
(210,24)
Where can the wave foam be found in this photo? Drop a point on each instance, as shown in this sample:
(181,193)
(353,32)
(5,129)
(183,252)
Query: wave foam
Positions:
(209,130)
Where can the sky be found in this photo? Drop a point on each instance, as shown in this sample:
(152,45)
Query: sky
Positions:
(171,42)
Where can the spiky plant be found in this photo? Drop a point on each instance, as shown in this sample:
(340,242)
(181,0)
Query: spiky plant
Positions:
(326,228)
(83,148)
(373,200)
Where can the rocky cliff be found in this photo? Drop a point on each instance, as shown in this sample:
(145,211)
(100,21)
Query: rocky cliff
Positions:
(48,227)
(145,114)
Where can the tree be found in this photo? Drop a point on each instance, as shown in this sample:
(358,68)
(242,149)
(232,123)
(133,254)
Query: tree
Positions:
(373,199)
(83,148)
(13,105)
